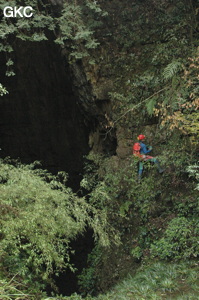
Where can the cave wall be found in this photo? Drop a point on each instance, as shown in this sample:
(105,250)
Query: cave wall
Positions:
(131,36)
(40,118)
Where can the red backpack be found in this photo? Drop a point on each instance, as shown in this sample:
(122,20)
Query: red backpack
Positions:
(136,149)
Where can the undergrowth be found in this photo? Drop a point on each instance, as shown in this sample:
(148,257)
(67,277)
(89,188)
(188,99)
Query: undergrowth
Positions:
(152,282)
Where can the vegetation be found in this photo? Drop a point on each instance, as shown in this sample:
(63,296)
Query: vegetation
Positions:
(155,281)
(39,218)
(179,241)
(159,281)
(71,25)
(142,231)
(153,220)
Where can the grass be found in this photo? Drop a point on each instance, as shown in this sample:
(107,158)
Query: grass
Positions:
(156,281)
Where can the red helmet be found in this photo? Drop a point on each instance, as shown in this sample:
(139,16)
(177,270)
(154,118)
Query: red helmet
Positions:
(141,137)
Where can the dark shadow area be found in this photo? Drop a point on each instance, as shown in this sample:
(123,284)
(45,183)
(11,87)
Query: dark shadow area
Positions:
(67,282)
(40,118)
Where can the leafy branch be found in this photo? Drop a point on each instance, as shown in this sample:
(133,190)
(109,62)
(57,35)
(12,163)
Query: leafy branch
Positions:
(134,107)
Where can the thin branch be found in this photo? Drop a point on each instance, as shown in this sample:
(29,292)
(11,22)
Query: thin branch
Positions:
(132,108)
(11,280)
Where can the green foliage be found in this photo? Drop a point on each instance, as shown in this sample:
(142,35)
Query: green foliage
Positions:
(87,279)
(117,185)
(3,90)
(156,74)
(95,7)
(74,296)
(40,216)
(113,186)
(71,27)
(13,289)
(194,172)
(191,125)
(172,69)
(150,106)
(157,281)
(137,252)
(154,282)
(187,207)
(180,104)
(179,241)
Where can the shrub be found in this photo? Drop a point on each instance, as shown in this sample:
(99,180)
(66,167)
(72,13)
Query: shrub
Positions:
(40,216)
(179,240)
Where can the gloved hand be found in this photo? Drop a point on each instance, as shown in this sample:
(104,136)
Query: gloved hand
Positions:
(150,147)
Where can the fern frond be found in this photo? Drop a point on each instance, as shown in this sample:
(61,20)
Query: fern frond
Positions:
(172,69)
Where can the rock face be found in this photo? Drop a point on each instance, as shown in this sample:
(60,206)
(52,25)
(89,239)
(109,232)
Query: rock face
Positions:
(40,117)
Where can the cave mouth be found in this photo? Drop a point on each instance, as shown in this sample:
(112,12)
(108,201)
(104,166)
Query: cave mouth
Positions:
(40,120)
(40,117)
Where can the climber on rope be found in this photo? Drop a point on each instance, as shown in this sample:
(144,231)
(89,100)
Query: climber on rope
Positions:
(140,150)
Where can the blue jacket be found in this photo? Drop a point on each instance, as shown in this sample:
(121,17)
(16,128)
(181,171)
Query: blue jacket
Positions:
(144,149)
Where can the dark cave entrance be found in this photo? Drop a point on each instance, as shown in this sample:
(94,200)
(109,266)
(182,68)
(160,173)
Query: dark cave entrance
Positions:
(40,119)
